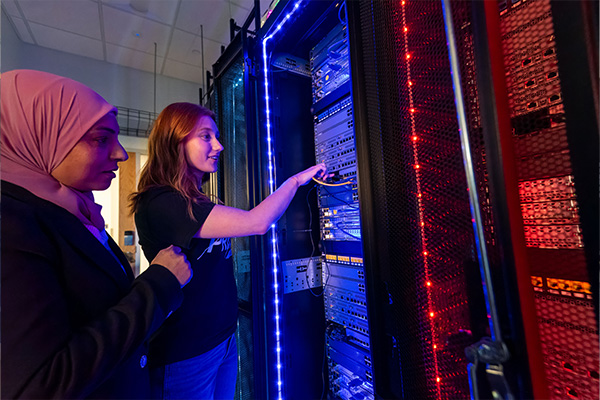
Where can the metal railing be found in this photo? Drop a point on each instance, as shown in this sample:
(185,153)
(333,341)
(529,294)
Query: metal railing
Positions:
(135,122)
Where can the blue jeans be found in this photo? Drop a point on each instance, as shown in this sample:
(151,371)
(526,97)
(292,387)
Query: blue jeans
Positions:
(209,376)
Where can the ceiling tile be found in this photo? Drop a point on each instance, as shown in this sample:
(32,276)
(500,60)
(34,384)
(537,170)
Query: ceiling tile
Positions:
(71,26)
(159,10)
(66,41)
(10,7)
(22,30)
(120,28)
(132,58)
(75,16)
(183,71)
(186,48)
(211,14)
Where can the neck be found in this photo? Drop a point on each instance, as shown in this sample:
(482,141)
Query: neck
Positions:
(199,175)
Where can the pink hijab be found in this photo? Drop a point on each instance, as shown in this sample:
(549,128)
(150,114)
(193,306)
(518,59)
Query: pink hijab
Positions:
(43,116)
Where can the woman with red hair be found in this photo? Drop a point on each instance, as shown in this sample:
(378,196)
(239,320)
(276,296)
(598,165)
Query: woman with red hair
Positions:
(194,355)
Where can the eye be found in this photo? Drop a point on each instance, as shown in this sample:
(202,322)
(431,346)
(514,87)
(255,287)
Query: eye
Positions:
(102,139)
(206,137)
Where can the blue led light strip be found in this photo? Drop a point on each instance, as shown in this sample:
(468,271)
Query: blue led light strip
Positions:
(271,158)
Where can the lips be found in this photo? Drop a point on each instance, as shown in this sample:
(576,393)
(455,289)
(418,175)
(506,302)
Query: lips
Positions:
(111,172)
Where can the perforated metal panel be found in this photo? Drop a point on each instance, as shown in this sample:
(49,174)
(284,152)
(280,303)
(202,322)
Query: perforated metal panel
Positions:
(421,196)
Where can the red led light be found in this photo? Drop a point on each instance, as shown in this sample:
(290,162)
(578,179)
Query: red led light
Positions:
(425,253)
(412,110)
(422,223)
(417,166)
(403,2)
(415,138)
(407,56)
(431,314)
(429,284)
(419,196)
(435,346)
(437,379)
(405,29)
(409,83)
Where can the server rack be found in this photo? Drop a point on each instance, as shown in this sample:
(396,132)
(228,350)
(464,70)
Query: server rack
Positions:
(317,254)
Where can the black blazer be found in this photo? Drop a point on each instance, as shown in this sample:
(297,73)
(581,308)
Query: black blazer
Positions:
(74,321)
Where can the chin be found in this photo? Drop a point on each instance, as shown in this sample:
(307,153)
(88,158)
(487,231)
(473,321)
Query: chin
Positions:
(101,185)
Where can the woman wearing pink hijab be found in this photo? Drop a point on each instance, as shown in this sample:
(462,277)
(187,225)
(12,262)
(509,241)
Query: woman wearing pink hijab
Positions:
(74,320)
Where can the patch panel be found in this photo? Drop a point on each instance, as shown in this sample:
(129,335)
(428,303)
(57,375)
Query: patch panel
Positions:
(351,310)
(348,321)
(341,223)
(351,285)
(292,64)
(345,295)
(336,125)
(350,220)
(345,271)
(301,274)
(342,233)
(336,154)
(340,105)
(359,355)
(336,147)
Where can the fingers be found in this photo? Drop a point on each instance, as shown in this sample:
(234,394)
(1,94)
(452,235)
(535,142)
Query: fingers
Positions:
(321,170)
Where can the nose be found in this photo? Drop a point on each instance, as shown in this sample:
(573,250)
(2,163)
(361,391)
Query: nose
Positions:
(118,153)
(217,145)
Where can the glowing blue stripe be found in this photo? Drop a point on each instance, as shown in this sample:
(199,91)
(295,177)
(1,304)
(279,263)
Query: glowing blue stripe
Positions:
(272,175)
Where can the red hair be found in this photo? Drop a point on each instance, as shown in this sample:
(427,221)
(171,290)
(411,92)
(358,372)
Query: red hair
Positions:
(166,164)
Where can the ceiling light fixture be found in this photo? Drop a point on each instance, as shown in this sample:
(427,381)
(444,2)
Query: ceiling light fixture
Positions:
(141,6)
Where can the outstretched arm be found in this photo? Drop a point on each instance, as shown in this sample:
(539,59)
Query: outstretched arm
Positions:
(232,222)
